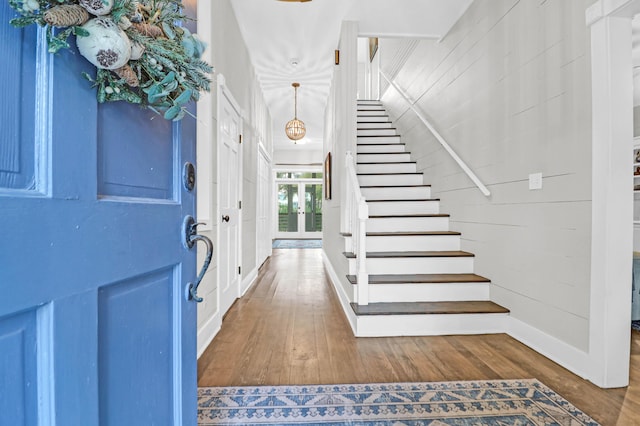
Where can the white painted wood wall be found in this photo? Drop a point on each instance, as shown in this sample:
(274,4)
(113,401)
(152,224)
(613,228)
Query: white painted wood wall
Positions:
(510,88)
(228,54)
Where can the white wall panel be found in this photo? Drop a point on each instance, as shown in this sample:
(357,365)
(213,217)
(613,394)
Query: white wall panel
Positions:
(510,89)
(230,58)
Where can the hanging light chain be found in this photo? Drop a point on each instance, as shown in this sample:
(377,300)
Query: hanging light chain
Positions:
(295,129)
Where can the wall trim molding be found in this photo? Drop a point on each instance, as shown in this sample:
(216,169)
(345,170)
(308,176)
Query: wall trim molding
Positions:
(340,292)
(248,281)
(207,332)
(609,25)
(556,350)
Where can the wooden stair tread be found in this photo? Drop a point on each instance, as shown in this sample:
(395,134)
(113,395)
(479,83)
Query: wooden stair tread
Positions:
(390,162)
(383,153)
(378,136)
(410,199)
(395,186)
(429,308)
(421,279)
(391,254)
(389,174)
(382,144)
(407,215)
(410,233)
(404,233)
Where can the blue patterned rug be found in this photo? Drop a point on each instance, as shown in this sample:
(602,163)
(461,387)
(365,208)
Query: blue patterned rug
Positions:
(495,403)
(296,244)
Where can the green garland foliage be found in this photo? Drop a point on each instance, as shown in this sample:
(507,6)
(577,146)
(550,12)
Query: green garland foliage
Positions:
(170,72)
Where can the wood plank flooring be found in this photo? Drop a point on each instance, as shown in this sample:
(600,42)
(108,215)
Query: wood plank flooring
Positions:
(290,329)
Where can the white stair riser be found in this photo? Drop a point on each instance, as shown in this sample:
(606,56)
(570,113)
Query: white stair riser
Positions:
(386,125)
(416,265)
(387,168)
(430,325)
(392,147)
(370,112)
(379,139)
(370,180)
(377,132)
(397,193)
(373,119)
(369,106)
(413,243)
(396,157)
(440,292)
(368,102)
(381,208)
(407,224)
(376,244)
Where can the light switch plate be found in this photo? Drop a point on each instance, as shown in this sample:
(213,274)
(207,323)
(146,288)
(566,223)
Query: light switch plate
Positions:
(535,181)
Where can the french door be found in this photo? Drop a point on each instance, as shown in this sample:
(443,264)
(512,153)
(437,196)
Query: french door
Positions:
(299,207)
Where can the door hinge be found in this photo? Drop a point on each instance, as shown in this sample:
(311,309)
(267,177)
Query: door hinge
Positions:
(239,270)
(239,204)
(239,138)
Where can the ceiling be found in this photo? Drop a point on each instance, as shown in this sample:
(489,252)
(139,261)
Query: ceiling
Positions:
(295,42)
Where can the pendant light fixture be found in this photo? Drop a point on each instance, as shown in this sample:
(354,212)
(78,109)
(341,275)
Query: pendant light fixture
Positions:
(295,129)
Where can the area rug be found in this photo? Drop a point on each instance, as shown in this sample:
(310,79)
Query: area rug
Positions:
(473,403)
(296,244)
(635,325)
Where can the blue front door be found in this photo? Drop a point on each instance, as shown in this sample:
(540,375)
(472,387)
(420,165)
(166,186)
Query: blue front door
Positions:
(95,327)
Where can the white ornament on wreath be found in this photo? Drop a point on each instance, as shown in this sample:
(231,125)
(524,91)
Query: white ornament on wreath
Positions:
(106,46)
(97,7)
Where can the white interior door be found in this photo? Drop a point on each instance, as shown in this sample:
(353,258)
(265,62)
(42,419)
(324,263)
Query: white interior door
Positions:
(299,209)
(230,177)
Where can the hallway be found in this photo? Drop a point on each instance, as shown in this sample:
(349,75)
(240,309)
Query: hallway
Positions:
(289,329)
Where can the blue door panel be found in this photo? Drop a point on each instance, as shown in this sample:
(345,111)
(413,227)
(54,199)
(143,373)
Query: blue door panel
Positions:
(136,163)
(69,333)
(17,160)
(18,383)
(83,245)
(135,352)
(93,318)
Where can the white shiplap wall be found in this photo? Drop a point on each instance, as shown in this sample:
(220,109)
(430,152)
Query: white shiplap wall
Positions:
(510,89)
(230,57)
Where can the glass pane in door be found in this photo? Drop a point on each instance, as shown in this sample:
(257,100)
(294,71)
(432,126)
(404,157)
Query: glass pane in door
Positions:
(288,207)
(313,207)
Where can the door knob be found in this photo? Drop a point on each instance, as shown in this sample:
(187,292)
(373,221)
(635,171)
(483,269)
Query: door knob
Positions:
(191,237)
(225,218)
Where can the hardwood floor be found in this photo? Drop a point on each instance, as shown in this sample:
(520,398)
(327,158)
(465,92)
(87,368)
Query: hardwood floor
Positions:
(290,329)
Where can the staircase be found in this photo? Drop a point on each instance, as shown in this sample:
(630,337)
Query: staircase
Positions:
(420,282)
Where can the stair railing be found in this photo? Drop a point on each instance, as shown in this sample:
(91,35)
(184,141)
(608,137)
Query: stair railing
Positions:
(439,137)
(357,215)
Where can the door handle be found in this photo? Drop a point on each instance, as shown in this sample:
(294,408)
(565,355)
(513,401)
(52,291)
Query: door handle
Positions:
(191,237)
(225,218)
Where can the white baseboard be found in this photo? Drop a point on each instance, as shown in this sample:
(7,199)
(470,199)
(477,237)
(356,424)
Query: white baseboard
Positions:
(248,281)
(344,298)
(571,358)
(207,332)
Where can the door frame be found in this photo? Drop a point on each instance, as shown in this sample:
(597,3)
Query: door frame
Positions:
(277,181)
(223,91)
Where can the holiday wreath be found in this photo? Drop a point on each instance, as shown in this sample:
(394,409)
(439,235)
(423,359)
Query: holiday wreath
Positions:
(142,53)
